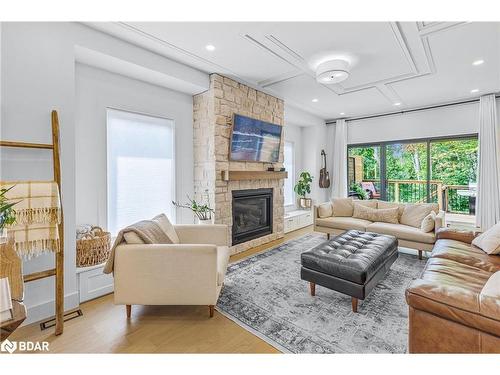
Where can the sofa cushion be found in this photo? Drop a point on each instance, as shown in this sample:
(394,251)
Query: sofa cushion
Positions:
(342,207)
(403,232)
(325,210)
(452,290)
(428,223)
(372,203)
(384,205)
(388,215)
(489,241)
(343,223)
(465,253)
(413,214)
(167,227)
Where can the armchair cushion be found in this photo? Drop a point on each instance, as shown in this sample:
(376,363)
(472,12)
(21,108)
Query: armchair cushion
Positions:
(167,227)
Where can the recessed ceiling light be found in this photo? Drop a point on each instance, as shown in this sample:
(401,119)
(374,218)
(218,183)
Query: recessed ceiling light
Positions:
(342,113)
(315,100)
(210,47)
(478,62)
(397,103)
(473,91)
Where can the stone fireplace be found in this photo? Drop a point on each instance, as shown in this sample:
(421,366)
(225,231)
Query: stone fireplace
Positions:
(212,123)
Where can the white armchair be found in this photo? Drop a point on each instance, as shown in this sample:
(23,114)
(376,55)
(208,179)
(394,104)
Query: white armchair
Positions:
(189,273)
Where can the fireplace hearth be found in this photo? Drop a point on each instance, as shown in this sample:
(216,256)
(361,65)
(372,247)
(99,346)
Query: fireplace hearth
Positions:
(252,214)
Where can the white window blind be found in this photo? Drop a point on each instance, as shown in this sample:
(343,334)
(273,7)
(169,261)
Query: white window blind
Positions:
(289,164)
(141,168)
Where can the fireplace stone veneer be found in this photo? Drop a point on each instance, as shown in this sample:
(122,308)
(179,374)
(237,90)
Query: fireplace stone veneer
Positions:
(212,122)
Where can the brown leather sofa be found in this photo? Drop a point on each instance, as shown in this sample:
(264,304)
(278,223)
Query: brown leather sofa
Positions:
(452,307)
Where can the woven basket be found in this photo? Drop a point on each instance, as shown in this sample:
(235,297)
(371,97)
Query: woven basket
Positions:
(93,248)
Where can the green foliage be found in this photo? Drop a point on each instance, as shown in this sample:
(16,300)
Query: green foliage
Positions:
(201,210)
(453,162)
(303,185)
(7,213)
(359,190)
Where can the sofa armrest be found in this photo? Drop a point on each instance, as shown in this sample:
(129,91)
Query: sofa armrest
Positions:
(166,274)
(214,234)
(439,221)
(455,234)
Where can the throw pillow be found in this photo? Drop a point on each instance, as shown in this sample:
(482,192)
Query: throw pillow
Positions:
(372,203)
(385,205)
(167,227)
(132,238)
(325,210)
(414,214)
(388,215)
(428,223)
(342,206)
(489,241)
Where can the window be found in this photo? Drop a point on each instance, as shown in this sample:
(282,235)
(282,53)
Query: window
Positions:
(140,168)
(437,170)
(289,164)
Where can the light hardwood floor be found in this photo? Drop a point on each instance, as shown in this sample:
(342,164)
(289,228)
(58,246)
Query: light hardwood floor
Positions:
(104,327)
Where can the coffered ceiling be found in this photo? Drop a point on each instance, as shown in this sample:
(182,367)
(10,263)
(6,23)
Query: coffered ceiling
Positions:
(411,63)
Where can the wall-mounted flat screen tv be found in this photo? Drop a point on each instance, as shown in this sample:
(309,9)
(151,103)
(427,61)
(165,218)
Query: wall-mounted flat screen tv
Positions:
(255,140)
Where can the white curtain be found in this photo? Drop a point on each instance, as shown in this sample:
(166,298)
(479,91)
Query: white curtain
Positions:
(339,156)
(488,186)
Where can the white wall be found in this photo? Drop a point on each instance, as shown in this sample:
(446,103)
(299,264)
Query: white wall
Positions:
(451,120)
(38,75)
(294,134)
(314,139)
(96,90)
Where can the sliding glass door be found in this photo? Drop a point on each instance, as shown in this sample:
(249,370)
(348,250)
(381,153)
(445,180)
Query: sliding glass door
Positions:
(406,171)
(364,172)
(435,170)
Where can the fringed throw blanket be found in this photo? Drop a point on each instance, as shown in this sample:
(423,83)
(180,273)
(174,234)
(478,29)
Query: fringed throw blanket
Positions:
(149,231)
(37,215)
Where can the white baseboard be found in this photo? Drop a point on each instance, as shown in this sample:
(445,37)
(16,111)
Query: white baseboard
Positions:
(46,309)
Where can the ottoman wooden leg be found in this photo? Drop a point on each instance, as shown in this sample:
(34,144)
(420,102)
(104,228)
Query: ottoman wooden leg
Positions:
(354,302)
(328,236)
(312,287)
(420,254)
(129,310)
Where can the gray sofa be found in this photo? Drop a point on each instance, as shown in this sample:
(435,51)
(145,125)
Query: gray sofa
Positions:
(408,236)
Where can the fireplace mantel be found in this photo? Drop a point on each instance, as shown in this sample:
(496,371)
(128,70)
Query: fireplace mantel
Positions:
(253,175)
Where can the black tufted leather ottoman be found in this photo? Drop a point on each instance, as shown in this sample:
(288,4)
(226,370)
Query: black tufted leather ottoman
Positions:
(351,263)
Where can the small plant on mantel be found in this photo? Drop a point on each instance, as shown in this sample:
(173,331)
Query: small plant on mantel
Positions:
(202,210)
(302,188)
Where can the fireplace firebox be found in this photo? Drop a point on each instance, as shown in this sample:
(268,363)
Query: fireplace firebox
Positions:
(252,214)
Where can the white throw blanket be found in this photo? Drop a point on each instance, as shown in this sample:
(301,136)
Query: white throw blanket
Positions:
(37,215)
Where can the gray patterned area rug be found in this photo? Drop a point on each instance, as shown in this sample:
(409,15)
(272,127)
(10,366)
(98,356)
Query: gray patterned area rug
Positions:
(265,295)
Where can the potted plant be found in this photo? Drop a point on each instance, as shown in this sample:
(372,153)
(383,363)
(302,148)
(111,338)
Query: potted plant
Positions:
(7,213)
(202,211)
(302,188)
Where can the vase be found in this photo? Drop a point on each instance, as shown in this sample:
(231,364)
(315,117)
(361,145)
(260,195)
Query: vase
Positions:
(305,203)
(205,222)
(3,235)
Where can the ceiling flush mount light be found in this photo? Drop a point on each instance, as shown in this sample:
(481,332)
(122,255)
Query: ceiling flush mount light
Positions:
(473,91)
(315,100)
(478,62)
(332,71)
(210,47)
